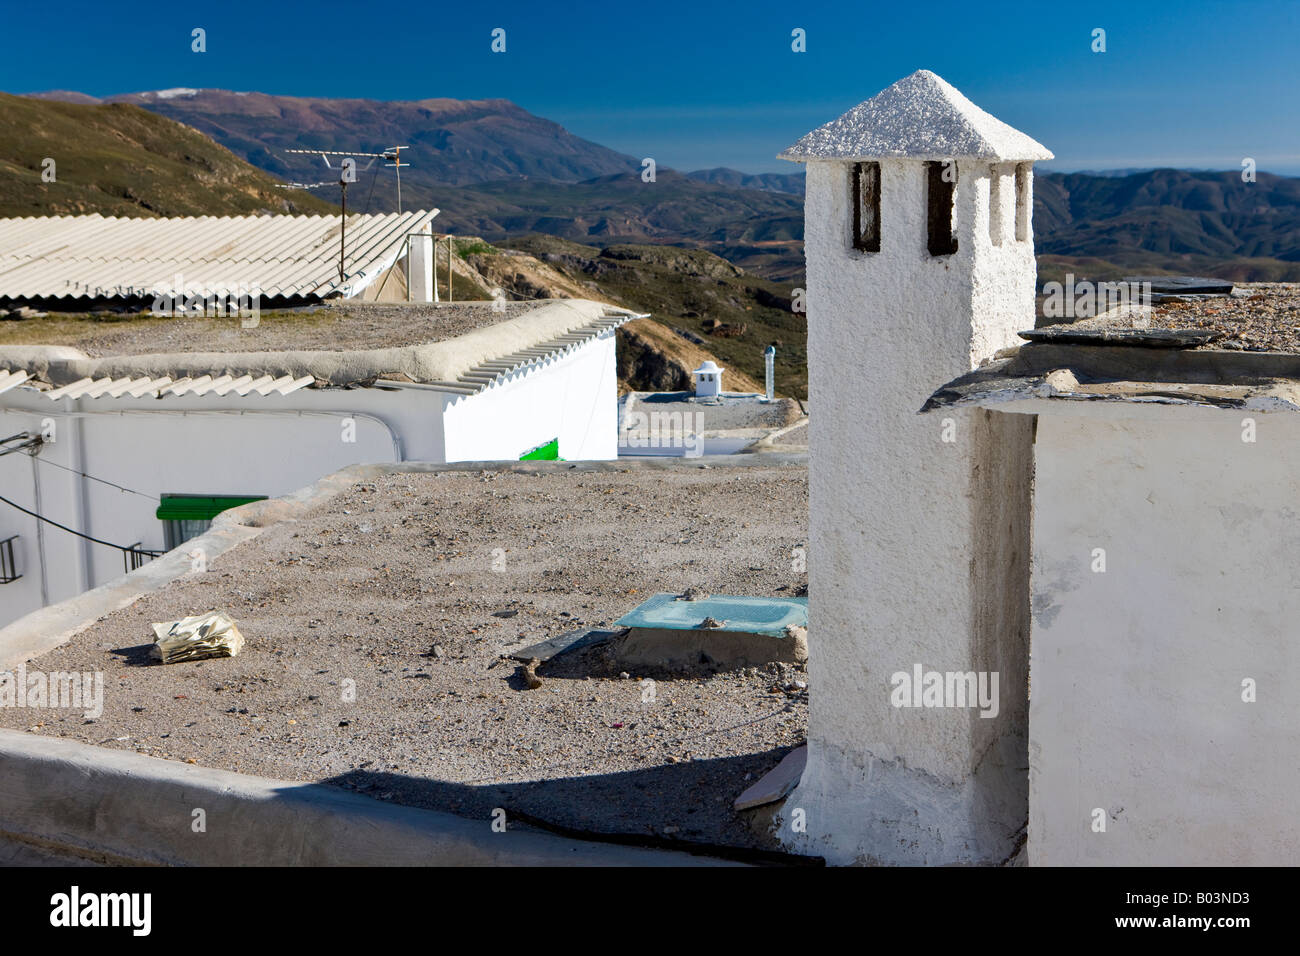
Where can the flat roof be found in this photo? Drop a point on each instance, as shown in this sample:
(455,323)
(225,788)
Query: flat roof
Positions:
(338,325)
(1256,317)
(1238,351)
(513,338)
(414,584)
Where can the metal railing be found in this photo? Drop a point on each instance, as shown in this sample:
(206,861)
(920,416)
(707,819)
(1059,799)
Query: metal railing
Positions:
(135,556)
(8,567)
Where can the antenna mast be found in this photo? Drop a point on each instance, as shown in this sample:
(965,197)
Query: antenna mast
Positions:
(347,174)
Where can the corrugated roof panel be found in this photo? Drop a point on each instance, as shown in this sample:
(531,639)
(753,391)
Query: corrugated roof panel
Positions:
(213,384)
(95,389)
(232,385)
(93,256)
(296,384)
(10,380)
(253,385)
(226,386)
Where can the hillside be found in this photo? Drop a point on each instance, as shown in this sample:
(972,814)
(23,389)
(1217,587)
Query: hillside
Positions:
(120,160)
(688,292)
(720,307)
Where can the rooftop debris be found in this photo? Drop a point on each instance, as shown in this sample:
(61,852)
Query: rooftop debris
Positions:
(196,638)
(776,783)
(529,673)
(571,641)
(665,632)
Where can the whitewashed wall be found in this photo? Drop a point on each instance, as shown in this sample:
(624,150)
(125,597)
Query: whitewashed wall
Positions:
(573,398)
(1137,671)
(257,447)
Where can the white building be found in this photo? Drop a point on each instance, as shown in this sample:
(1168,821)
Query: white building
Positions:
(920,265)
(1162,722)
(1153,723)
(143,449)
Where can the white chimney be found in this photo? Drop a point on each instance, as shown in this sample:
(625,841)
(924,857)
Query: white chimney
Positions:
(920,266)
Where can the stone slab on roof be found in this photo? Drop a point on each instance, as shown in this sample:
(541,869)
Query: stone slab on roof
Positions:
(1047,374)
(919,117)
(1255,317)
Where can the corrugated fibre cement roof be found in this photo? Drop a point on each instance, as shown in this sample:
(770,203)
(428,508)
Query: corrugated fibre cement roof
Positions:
(750,615)
(94,257)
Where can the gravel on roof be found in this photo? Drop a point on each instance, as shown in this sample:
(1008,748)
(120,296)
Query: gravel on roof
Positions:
(1257,317)
(412,587)
(330,328)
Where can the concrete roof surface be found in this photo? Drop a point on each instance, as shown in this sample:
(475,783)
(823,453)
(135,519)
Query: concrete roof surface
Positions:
(392,583)
(1053,374)
(920,117)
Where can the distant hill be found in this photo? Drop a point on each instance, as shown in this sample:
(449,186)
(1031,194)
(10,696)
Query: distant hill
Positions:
(453,142)
(497,171)
(673,208)
(1170,220)
(120,160)
(776,182)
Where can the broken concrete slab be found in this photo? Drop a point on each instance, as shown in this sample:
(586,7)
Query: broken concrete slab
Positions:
(553,647)
(754,615)
(777,783)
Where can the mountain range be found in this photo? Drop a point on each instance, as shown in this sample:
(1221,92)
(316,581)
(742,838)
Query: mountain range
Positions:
(497,171)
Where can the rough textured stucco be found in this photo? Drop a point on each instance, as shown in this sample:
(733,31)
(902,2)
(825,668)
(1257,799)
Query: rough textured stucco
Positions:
(1137,699)
(917,546)
(920,117)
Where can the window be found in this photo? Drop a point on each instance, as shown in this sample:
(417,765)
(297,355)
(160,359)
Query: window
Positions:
(941,184)
(865,183)
(188,516)
(995,204)
(1024,183)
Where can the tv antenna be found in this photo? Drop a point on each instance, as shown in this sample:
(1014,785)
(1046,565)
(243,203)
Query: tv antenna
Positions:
(392,157)
(347,170)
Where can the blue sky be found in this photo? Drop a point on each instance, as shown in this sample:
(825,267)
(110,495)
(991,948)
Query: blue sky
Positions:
(1195,84)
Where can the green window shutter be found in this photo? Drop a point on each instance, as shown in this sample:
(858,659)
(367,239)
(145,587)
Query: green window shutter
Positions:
(547,452)
(200,507)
